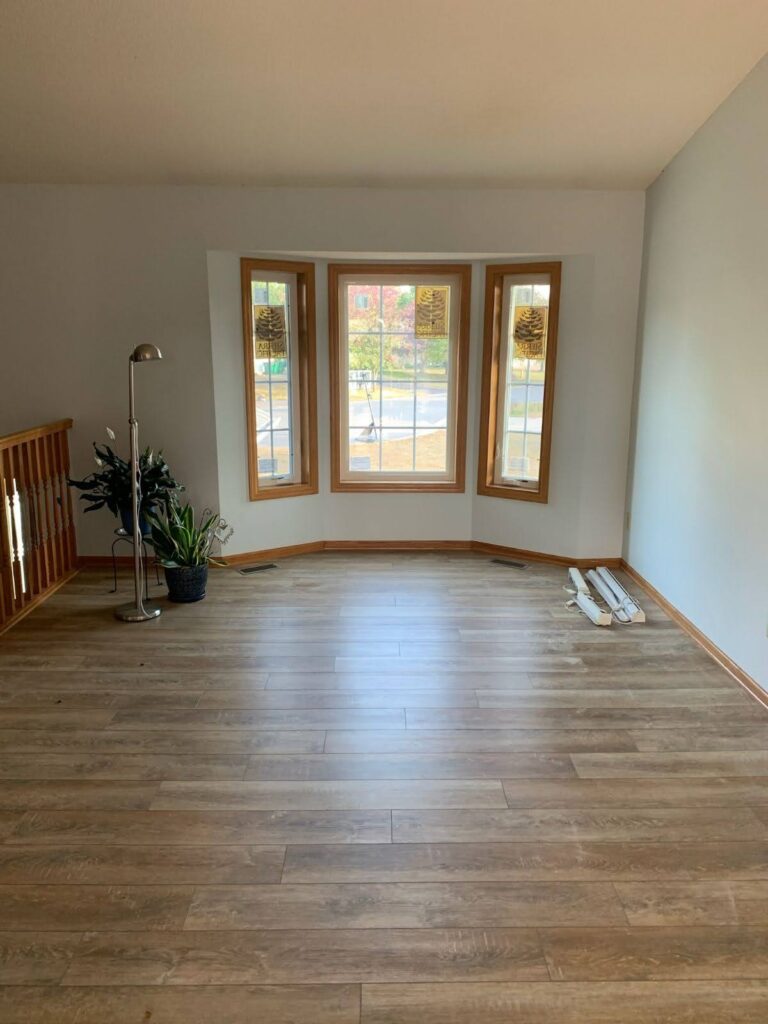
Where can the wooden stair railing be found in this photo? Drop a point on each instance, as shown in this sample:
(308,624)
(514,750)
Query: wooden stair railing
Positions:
(38,551)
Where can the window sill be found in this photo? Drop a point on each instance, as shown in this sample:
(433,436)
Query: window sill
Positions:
(516,493)
(395,487)
(285,491)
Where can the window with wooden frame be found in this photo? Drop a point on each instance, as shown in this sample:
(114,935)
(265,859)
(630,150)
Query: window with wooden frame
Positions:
(521,312)
(279,341)
(399,336)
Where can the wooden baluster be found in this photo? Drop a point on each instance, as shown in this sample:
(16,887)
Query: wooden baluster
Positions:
(10,498)
(69,517)
(53,553)
(27,461)
(58,537)
(46,563)
(14,539)
(34,486)
(23,522)
(59,445)
(6,563)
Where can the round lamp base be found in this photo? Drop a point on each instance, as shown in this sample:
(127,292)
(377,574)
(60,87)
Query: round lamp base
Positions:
(133,613)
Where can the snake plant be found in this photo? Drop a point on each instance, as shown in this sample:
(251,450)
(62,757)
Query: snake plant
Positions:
(180,541)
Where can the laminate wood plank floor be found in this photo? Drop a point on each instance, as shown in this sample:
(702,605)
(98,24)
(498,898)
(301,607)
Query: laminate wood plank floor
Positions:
(376,789)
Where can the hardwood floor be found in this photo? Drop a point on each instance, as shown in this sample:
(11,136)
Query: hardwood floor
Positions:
(376,789)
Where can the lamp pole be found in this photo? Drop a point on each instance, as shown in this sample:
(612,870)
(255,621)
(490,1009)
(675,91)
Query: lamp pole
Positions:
(137,611)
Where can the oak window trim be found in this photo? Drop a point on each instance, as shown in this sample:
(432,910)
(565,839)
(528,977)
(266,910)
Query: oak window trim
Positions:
(492,346)
(307,377)
(463,271)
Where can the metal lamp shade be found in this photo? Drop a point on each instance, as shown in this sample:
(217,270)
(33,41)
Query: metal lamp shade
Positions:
(143,353)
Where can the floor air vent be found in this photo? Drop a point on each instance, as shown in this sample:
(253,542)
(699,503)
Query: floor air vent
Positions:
(509,563)
(249,570)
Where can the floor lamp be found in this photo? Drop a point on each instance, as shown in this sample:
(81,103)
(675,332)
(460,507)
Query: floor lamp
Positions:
(137,611)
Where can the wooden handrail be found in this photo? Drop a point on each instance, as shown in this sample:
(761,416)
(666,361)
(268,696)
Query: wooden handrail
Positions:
(37,530)
(11,440)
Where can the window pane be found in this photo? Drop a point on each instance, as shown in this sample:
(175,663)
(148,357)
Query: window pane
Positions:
(522,453)
(275,379)
(534,408)
(363,307)
(525,407)
(272,370)
(521,396)
(364,355)
(397,451)
(514,443)
(397,376)
(431,404)
(398,305)
(433,355)
(272,403)
(398,356)
(267,466)
(364,450)
(515,407)
(397,408)
(533,456)
(281,451)
(278,293)
(261,392)
(362,405)
(432,450)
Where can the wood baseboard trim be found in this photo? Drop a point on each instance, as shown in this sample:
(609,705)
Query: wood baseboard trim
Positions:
(397,545)
(266,553)
(542,556)
(103,561)
(753,688)
(37,600)
(126,561)
(312,547)
(419,545)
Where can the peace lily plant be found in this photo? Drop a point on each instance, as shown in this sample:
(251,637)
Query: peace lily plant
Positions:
(110,484)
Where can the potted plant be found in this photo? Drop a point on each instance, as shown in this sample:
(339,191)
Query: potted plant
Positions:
(183,547)
(110,485)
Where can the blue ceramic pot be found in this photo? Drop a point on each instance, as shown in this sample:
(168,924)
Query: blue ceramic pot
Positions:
(186,583)
(126,518)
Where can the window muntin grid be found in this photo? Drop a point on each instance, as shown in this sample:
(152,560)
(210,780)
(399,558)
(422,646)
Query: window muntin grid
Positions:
(276,386)
(520,406)
(398,392)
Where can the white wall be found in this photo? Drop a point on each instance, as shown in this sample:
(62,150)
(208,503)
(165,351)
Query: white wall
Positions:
(87,272)
(699,482)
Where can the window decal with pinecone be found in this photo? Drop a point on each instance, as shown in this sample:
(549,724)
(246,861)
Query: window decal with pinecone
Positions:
(530,332)
(431,311)
(269,331)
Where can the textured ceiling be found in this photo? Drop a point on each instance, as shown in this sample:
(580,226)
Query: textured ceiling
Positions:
(584,93)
